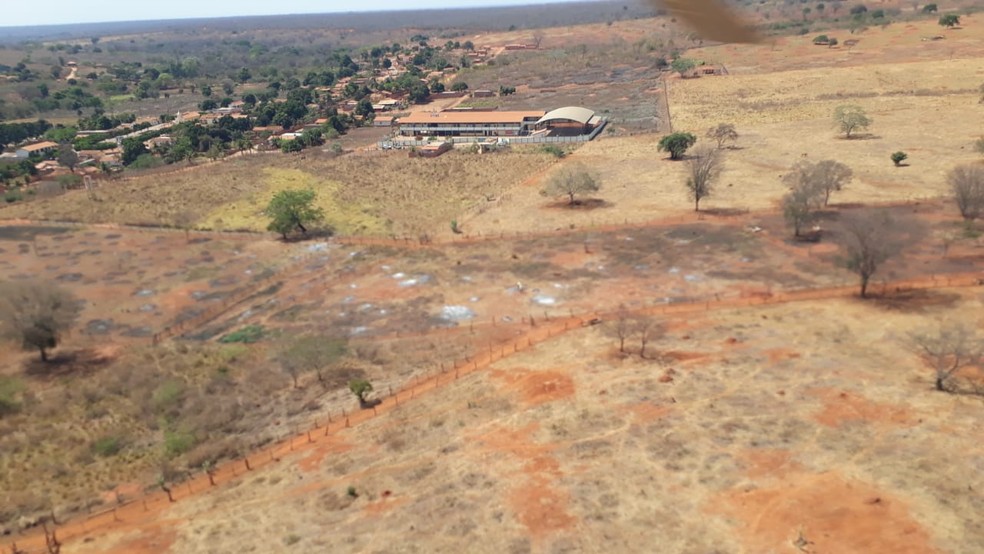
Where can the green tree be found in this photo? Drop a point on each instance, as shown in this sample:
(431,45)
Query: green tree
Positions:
(677,144)
(37,314)
(293,209)
(360,388)
(570,181)
(364,107)
(949,20)
(930,8)
(683,65)
(133,148)
(459,86)
(849,119)
(899,157)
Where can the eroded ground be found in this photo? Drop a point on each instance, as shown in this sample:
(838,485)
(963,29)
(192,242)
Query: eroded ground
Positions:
(809,425)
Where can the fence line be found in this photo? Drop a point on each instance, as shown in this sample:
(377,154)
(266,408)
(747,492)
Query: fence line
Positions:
(328,422)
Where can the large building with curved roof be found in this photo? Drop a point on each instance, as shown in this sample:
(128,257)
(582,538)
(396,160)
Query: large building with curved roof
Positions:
(566,121)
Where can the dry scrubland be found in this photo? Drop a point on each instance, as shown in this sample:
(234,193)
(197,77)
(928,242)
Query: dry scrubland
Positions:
(748,430)
(928,109)
(809,425)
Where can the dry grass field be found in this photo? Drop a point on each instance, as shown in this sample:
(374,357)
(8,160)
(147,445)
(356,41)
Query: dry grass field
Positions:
(809,426)
(802,426)
(927,108)
(360,193)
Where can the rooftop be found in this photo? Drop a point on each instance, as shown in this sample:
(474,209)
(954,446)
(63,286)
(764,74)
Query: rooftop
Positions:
(39,146)
(460,118)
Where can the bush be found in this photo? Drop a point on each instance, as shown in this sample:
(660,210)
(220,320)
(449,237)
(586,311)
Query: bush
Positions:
(10,389)
(69,181)
(247,335)
(107,446)
(12,196)
(146,161)
(677,144)
(177,443)
(899,157)
(554,151)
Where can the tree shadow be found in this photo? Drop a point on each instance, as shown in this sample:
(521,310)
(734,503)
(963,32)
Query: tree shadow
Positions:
(581,204)
(61,364)
(369,404)
(312,234)
(724,212)
(911,301)
(862,136)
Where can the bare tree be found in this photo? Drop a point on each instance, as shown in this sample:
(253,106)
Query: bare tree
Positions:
(967,184)
(825,176)
(37,313)
(67,156)
(723,133)
(185,220)
(801,206)
(947,350)
(621,326)
(537,39)
(869,238)
(310,354)
(162,483)
(647,330)
(704,166)
(570,181)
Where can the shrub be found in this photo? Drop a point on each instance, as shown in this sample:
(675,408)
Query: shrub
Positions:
(352,492)
(107,446)
(899,157)
(146,161)
(677,144)
(10,389)
(12,196)
(177,443)
(247,335)
(554,151)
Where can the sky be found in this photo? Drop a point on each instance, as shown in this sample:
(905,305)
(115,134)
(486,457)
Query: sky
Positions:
(57,12)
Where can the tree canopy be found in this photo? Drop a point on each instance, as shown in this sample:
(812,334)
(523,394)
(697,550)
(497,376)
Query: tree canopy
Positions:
(37,314)
(949,20)
(291,210)
(570,181)
(677,144)
(851,118)
(683,65)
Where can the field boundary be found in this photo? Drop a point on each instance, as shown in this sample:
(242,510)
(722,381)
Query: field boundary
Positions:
(144,508)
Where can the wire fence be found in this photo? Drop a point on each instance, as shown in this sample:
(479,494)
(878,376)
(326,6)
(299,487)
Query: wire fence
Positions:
(145,507)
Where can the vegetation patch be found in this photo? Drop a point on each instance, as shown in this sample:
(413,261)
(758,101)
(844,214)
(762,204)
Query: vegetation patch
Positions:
(247,335)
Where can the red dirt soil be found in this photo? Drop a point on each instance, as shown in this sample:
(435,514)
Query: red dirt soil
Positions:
(537,387)
(829,512)
(842,407)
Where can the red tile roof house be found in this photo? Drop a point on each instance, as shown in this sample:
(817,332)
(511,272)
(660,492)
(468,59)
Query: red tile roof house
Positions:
(40,148)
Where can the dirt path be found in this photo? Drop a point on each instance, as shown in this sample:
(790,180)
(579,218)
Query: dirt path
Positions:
(324,432)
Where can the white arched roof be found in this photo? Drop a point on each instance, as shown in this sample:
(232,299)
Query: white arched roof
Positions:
(571,113)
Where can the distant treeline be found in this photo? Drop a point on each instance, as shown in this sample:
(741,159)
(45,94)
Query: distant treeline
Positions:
(488,18)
